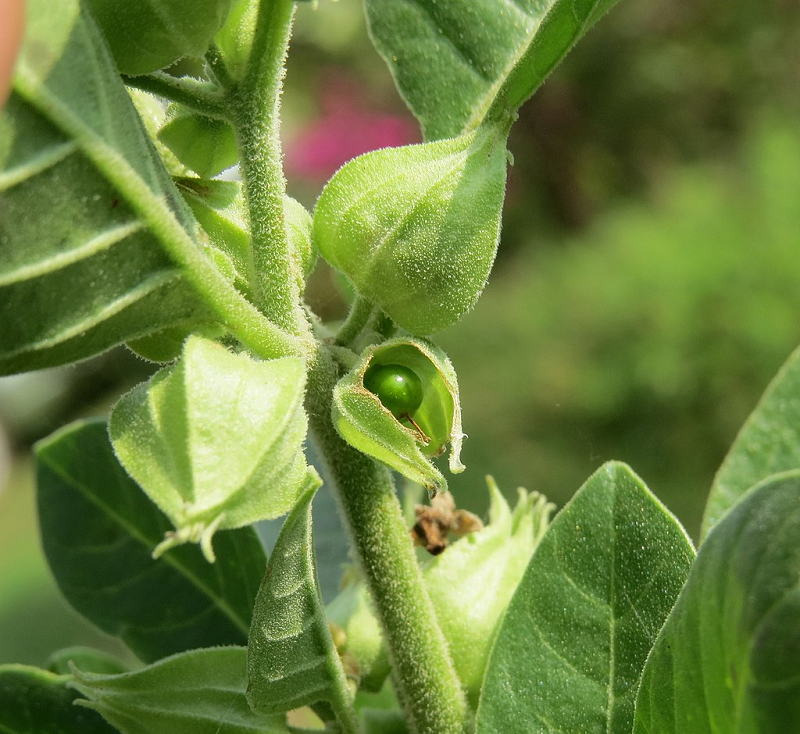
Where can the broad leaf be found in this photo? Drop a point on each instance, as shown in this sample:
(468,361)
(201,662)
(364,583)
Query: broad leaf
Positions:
(93,235)
(291,658)
(146,36)
(34,701)
(577,632)
(769,443)
(728,658)
(454,61)
(99,531)
(197,692)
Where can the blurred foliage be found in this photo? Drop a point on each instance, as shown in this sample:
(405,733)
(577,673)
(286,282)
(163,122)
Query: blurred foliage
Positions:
(648,338)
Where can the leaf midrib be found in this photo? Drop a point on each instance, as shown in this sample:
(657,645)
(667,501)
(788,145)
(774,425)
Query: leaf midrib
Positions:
(134,533)
(252,327)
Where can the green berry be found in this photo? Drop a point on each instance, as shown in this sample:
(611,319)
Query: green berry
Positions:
(398,388)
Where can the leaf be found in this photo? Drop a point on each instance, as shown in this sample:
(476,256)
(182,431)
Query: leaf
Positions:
(291,659)
(99,531)
(455,61)
(196,692)
(575,637)
(216,441)
(97,245)
(85,658)
(147,36)
(728,658)
(768,443)
(416,228)
(34,701)
(204,145)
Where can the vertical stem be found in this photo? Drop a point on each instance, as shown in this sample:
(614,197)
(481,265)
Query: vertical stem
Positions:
(256,105)
(428,686)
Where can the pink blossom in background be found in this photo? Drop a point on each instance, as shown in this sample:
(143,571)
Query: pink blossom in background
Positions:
(346,127)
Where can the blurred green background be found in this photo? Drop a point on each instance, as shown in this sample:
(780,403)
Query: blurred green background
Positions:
(645,293)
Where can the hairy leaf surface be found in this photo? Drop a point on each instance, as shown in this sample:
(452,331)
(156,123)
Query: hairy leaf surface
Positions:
(769,443)
(574,640)
(196,692)
(416,228)
(291,658)
(87,211)
(216,440)
(455,61)
(99,531)
(34,701)
(728,658)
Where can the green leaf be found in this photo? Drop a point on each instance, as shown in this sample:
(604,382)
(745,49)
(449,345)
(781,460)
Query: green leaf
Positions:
(728,658)
(97,246)
(769,443)
(575,637)
(82,266)
(204,145)
(215,440)
(291,659)
(416,228)
(455,61)
(148,36)
(85,658)
(34,701)
(405,443)
(221,209)
(196,692)
(99,531)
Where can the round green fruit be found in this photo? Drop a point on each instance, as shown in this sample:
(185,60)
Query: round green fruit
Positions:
(398,388)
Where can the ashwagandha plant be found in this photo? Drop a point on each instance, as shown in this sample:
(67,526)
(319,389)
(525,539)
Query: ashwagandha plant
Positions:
(114,230)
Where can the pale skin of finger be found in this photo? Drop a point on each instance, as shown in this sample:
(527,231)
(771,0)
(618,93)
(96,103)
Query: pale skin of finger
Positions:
(12,17)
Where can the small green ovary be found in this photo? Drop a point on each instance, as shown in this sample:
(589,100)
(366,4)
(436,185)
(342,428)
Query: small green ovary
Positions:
(397,387)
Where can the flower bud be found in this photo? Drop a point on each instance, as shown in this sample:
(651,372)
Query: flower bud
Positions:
(400,405)
(416,228)
(216,440)
(470,585)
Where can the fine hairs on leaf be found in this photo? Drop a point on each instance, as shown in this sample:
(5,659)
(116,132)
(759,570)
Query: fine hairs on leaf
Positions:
(117,227)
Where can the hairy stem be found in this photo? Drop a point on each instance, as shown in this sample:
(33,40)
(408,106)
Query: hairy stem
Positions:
(356,320)
(255,105)
(427,684)
(197,95)
(218,68)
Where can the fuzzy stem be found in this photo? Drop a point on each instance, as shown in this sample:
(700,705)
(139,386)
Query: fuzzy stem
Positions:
(256,104)
(428,686)
(356,320)
(218,67)
(200,96)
